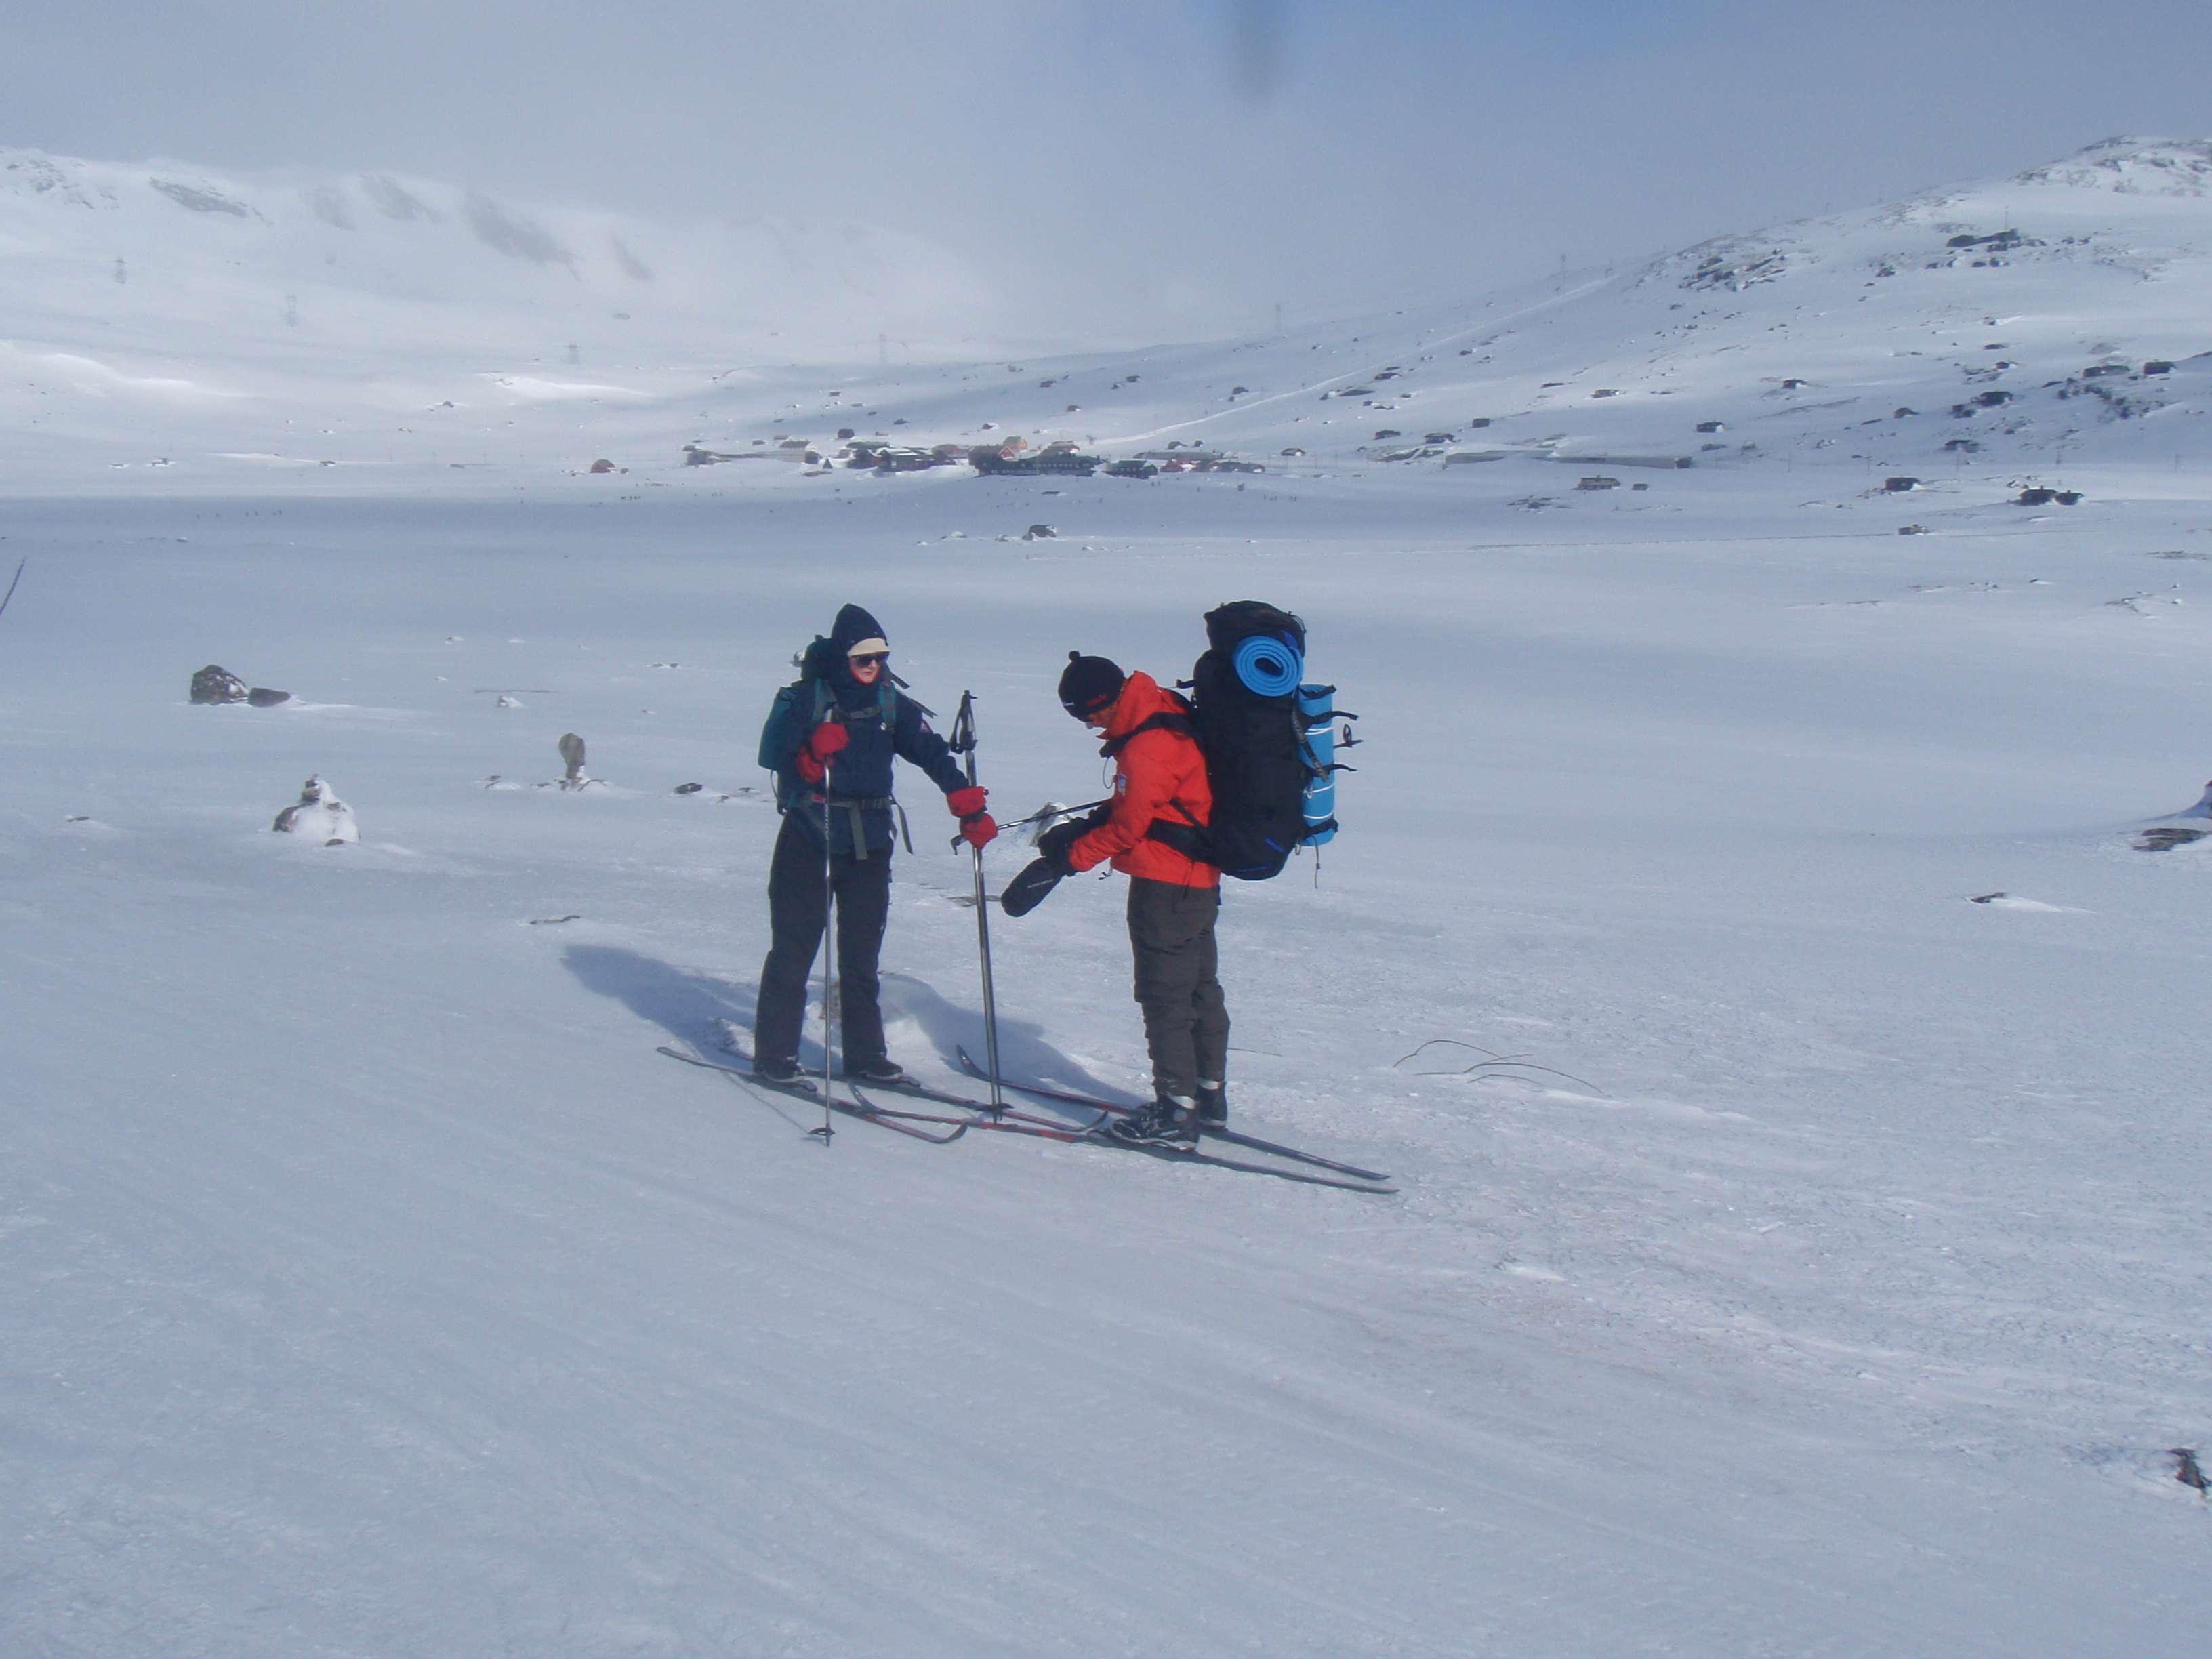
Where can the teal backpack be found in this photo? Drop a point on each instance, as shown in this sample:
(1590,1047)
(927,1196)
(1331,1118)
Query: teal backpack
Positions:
(797,710)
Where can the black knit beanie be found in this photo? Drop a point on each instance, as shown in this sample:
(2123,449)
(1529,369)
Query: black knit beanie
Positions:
(1087,684)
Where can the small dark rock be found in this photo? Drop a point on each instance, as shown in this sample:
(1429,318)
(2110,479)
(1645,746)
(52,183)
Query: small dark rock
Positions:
(262,697)
(1039,532)
(2188,1471)
(1387,432)
(215,684)
(689,788)
(1898,486)
(2165,838)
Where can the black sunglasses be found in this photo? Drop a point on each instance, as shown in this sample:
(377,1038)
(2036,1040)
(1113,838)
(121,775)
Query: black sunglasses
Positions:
(872,657)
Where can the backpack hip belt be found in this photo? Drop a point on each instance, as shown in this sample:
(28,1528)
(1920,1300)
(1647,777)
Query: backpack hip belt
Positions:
(853,805)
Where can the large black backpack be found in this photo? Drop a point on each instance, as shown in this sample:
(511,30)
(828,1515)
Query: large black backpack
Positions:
(1268,739)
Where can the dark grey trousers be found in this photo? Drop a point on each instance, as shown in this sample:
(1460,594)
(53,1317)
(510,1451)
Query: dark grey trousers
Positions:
(797,906)
(1178,983)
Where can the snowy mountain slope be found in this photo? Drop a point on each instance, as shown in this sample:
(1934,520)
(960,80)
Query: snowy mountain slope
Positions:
(159,299)
(1997,330)
(1738,950)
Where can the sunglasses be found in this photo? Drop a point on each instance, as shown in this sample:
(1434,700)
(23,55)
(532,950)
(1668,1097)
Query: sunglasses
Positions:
(874,660)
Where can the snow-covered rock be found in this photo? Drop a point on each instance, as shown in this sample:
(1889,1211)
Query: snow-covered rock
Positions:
(318,813)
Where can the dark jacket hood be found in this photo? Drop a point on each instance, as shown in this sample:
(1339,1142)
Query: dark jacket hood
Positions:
(824,660)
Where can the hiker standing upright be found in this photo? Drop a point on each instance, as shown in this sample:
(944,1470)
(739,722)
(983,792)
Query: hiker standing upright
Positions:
(1151,830)
(832,739)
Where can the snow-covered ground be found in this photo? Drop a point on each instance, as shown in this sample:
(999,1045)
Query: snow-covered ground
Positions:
(1793,1255)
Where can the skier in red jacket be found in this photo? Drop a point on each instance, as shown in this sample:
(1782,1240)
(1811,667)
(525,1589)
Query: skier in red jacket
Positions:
(1152,830)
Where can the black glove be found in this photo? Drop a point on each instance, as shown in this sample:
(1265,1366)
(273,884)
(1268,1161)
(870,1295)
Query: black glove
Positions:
(1053,845)
(1027,891)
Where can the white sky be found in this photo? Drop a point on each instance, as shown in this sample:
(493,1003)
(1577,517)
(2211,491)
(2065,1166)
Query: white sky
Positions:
(1197,161)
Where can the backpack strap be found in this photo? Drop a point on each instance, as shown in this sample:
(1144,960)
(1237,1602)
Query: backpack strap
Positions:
(1162,721)
(1188,837)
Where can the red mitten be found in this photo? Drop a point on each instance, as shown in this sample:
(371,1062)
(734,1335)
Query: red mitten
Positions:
(978,829)
(828,740)
(966,803)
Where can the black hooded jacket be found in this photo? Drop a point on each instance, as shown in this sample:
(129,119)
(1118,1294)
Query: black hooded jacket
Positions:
(882,724)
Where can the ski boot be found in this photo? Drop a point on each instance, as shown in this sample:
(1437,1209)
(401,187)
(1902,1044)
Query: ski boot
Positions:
(881,1073)
(779,1073)
(1169,1121)
(1212,1105)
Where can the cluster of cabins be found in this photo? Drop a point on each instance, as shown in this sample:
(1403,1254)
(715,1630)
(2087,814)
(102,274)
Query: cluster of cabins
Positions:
(1012,458)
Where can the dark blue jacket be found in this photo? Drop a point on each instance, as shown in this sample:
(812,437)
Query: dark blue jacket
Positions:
(860,775)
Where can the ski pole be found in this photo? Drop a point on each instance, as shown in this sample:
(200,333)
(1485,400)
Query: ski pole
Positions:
(829,950)
(1050,810)
(964,743)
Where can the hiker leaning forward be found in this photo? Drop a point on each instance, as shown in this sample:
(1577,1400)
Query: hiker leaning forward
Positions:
(1160,797)
(851,721)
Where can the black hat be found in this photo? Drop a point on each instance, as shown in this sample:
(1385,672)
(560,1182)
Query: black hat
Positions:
(856,630)
(1087,684)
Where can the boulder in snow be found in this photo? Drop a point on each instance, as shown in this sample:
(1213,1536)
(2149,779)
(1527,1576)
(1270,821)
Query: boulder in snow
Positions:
(214,684)
(320,813)
(217,684)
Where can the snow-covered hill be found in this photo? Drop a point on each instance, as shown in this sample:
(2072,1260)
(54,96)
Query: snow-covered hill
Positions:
(157,301)
(166,322)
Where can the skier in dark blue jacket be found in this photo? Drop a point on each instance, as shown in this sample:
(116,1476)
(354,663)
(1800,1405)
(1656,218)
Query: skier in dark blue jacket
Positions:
(833,785)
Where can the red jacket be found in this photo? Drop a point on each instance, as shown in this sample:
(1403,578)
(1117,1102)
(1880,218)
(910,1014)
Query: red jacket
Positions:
(1158,774)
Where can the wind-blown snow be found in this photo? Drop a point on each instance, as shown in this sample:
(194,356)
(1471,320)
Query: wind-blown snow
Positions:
(1792,1256)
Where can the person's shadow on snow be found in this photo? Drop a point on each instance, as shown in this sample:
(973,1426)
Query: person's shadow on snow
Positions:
(686,1005)
(1024,1053)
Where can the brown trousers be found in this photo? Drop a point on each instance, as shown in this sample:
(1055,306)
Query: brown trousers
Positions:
(1178,983)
